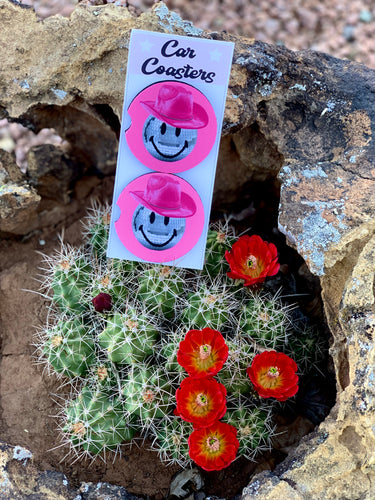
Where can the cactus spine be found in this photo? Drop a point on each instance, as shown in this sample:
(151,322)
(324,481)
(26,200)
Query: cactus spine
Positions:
(96,423)
(69,348)
(128,338)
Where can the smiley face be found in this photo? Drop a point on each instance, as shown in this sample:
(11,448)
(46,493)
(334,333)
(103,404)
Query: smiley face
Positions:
(167,143)
(155,231)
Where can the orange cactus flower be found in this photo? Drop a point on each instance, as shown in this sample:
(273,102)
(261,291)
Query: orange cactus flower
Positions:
(203,352)
(273,375)
(251,259)
(214,447)
(201,401)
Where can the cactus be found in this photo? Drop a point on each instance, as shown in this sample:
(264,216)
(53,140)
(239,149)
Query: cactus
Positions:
(110,281)
(128,338)
(160,288)
(71,276)
(253,424)
(96,229)
(171,441)
(167,354)
(96,423)
(306,346)
(233,375)
(211,306)
(103,374)
(219,239)
(265,321)
(123,347)
(148,394)
(69,347)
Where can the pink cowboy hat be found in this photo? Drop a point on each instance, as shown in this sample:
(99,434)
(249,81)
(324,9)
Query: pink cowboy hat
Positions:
(163,195)
(174,105)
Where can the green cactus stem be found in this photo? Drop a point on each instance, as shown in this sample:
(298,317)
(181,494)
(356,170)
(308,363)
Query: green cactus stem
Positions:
(71,276)
(265,321)
(171,441)
(254,428)
(233,374)
(160,287)
(128,338)
(96,423)
(69,348)
(148,394)
(219,239)
(104,374)
(211,306)
(96,230)
(110,281)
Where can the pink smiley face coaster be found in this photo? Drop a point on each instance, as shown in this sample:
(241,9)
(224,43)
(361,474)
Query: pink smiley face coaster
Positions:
(174,103)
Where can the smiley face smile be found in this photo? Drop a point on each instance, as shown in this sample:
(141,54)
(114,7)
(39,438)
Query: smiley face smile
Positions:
(159,245)
(186,145)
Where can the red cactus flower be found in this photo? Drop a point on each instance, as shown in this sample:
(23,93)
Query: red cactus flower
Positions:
(252,259)
(273,375)
(201,401)
(215,447)
(203,352)
(102,302)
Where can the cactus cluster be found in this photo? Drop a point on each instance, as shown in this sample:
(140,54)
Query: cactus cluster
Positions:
(120,353)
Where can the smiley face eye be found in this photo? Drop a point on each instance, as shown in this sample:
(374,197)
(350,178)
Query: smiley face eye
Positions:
(152,217)
(163,128)
(166,221)
(177,132)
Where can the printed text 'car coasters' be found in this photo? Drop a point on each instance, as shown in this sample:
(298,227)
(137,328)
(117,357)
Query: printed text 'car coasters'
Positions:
(174,103)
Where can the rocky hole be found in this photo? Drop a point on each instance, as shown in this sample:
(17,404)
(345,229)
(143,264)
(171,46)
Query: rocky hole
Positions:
(247,193)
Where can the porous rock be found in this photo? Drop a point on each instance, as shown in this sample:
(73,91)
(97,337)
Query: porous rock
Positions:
(309,118)
(51,172)
(19,478)
(18,201)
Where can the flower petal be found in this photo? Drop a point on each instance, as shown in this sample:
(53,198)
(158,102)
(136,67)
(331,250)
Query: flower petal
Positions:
(273,375)
(214,447)
(203,352)
(201,401)
(252,260)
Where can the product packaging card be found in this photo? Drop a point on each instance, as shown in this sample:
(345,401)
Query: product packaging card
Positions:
(175,93)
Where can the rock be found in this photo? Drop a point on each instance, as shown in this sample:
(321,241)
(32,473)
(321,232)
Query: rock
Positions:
(51,172)
(20,479)
(18,201)
(9,170)
(91,491)
(184,482)
(365,16)
(7,143)
(304,116)
(349,33)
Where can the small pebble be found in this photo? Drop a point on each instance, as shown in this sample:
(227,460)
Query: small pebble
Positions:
(365,16)
(349,33)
